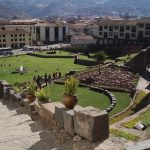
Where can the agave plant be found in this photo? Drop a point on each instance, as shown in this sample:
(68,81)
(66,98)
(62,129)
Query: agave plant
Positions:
(31,88)
(42,95)
(71,85)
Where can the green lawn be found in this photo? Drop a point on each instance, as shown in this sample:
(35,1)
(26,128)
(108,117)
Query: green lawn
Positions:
(91,98)
(35,66)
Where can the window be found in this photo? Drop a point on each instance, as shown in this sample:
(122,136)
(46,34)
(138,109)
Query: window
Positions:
(147,26)
(116,27)
(15,39)
(15,35)
(105,34)
(133,35)
(4,35)
(110,28)
(4,40)
(141,25)
(20,39)
(29,34)
(105,27)
(133,29)
(11,40)
(4,45)
(110,33)
(100,28)
(11,35)
(127,27)
(29,39)
(0,40)
(23,34)
(20,35)
(122,34)
(101,33)
(23,39)
(121,28)
(147,32)
(127,35)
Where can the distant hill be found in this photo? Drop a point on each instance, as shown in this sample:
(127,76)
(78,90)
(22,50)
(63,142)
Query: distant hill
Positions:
(45,8)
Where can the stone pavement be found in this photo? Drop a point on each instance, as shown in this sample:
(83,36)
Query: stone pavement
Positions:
(19,132)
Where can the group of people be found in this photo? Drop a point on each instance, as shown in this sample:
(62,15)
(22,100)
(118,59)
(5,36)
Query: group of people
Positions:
(46,79)
(111,76)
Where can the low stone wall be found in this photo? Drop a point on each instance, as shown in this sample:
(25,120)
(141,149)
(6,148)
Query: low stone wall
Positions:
(89,122)
(86,62)
(51,56)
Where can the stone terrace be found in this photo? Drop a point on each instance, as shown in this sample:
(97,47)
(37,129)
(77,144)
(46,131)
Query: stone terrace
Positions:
(19,132)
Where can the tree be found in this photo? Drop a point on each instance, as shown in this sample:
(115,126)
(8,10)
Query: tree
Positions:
(100,56)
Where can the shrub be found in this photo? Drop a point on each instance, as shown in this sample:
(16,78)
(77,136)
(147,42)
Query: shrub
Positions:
(100,56)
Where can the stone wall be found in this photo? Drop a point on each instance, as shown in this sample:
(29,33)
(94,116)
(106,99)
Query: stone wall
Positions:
(140,62)
(51,56)
(86,62)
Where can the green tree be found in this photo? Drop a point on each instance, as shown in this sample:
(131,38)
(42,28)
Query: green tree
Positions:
(100,57)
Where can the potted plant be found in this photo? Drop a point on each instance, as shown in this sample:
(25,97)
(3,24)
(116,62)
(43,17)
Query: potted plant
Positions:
(31,88)
(42,97)
(70,99)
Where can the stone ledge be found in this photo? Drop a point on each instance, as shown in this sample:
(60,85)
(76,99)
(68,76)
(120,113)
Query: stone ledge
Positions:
(68,117)
(48,111)
(92,124)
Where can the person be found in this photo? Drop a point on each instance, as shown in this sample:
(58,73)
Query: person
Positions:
(38,82)
(54,76)
(46,78)
(49,78)
(59,74)
(34,78)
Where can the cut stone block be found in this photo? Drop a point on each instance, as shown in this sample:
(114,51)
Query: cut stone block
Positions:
(29,106)
(17,97)
(68,117)
(59,114)
(48,111)
(92,124)
(37,107)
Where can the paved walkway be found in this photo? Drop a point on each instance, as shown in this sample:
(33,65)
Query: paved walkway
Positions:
(19,132)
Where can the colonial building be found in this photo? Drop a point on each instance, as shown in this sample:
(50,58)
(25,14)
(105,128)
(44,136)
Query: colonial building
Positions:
(14,38)
(119,31)
(41,31)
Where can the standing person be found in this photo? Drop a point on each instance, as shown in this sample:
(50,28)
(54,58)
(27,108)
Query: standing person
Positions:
(38,82)
(49,78)
(59,74)
(54,76)
(46,78)
(34,78)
